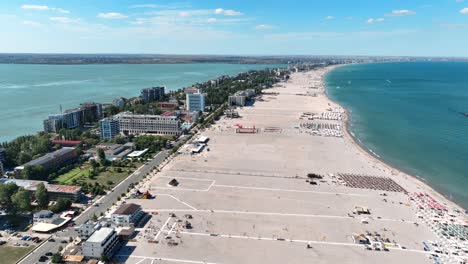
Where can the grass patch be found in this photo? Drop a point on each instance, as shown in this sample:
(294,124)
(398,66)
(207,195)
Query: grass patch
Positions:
(107,177)
(75,174)
(110,175)
(11,255)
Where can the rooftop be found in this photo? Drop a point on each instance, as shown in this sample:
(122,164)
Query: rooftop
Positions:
(129,114)
(100,235)
(49,156)
(66,142)
(31,185)
(127,209)
(137,153)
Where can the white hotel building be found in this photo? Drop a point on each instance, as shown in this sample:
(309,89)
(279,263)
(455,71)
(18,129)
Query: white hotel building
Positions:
(151,124)
(102,242)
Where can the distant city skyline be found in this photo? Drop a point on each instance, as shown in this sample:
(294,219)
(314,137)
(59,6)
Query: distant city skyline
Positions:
(244,27)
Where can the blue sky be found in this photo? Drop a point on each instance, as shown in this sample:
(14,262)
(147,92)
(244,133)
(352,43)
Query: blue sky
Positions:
(245,27)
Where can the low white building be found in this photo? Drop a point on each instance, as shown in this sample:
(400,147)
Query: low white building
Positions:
(127,215)
(102,242)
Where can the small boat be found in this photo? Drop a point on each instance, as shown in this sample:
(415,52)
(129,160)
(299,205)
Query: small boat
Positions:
(465,114)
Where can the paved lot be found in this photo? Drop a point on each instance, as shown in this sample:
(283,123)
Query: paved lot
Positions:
(104,203)
(247,199)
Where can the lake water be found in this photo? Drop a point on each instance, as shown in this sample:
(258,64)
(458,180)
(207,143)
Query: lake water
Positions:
(28,93)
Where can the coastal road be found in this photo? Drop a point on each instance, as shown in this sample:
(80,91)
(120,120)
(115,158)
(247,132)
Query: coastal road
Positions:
(100,206)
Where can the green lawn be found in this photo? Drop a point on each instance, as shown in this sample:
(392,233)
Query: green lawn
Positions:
(11,255)
(81,174)
(67,178)
(110,175)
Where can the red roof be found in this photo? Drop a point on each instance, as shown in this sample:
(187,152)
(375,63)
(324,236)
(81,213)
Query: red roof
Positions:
(168,113)
(66,142)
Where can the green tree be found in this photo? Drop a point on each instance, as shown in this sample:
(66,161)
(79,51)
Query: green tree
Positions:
(42,196)
(61,205)
(35,172)
(101,154)
(93,163)
(23,157)
(6,193)
(102,157)
(94,217)
(57,258)
(22,200)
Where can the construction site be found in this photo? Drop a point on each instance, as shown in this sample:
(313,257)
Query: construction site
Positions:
(268,193)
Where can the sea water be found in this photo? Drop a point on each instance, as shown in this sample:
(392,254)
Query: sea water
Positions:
(411,115)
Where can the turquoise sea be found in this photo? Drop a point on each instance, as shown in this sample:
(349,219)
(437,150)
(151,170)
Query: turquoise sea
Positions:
(28,93)
(410,115)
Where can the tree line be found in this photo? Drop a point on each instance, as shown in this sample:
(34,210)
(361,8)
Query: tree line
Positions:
(15,199)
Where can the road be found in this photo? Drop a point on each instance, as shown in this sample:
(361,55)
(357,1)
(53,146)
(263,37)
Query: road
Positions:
(103,204)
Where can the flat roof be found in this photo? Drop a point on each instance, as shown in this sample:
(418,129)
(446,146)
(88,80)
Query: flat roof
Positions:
(48,227)
(127,209)
(99,235)
(202,139)
(66,142)
(73,258)
(137,153)
(31,185)
(132,115)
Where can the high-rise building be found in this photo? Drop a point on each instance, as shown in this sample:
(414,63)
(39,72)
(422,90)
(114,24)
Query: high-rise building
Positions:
(195,101)
(69,119)
(73,118)
(119,102)
(91,112)
(153,93)
(109,128)
(141,124)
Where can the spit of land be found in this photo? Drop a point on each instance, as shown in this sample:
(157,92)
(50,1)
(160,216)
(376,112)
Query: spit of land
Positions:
(248,199)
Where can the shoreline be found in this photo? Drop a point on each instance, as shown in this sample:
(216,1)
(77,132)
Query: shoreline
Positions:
(348,135)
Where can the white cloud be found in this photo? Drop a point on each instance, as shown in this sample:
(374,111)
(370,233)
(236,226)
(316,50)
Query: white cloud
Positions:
(329,17)
(139,21)
(184,14)
(64,19)
(375,20)
(44,8)
(194,17)
(31,23)
(264,26)
(60,10)
(402,12)
(464,11)
(454,26)
(112,15)
(164,6)
(35,7)
(227,12)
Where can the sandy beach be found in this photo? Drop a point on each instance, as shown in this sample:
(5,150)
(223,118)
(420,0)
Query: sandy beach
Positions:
(296,189)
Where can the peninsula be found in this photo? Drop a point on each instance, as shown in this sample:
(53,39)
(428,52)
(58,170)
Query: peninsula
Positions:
(285,183)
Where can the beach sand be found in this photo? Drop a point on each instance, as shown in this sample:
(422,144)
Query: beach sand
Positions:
(250,200)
